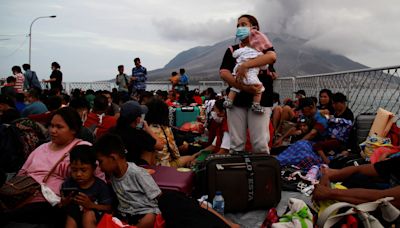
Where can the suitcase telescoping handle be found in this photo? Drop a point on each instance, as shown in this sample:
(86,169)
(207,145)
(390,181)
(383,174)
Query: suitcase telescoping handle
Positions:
(230,166)
(187,109)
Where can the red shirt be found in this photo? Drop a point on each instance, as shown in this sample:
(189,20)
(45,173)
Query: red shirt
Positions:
(169,103)
(198,100)
(216,130)
(102,122)
(44,118)
(221,128)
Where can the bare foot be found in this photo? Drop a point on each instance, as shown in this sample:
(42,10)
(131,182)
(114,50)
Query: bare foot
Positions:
(321,192)
(328,172)
(325,181)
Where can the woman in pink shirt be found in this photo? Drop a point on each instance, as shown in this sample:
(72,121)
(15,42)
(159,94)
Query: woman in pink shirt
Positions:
(63,129)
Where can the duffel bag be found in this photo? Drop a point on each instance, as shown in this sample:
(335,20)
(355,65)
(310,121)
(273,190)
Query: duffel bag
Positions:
(247,181)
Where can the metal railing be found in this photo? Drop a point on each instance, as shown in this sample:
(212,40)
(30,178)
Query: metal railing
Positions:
(218,86)
(285,86)
(69,86)
(366,89)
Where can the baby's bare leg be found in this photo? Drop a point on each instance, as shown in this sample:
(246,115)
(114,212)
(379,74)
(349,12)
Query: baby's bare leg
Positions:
(257,98)
(232,95)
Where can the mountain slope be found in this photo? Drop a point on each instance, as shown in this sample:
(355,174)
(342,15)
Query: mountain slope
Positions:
(295,57)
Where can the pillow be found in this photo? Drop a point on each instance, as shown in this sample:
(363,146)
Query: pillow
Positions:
(382,123)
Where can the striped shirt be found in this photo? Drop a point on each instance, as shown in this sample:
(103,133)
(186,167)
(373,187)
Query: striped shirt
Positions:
(19,83)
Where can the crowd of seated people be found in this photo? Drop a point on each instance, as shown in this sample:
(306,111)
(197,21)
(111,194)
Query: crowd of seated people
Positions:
(304,115)
(311,120)
(83,119)
(128,133)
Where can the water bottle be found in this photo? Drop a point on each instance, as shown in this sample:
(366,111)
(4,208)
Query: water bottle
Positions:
(312,174)
(219,203)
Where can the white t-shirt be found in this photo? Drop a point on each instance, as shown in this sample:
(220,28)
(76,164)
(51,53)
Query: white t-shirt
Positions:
(226,141)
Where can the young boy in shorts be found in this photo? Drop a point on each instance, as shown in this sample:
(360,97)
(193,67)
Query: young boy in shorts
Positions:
(84,196)
(135,189)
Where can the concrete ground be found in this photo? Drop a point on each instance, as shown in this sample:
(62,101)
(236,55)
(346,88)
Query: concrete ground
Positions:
(254,219)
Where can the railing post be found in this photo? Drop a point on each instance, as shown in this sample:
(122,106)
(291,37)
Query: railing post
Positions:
(67,88)
(293,87)
(349,81)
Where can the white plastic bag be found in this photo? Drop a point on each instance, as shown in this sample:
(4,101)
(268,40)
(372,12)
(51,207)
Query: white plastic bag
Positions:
(49,195)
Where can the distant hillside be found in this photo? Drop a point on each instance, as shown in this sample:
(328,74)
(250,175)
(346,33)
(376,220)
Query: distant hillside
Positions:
(295,58)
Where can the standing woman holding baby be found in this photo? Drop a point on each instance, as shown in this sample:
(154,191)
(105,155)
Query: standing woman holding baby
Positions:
(240,116)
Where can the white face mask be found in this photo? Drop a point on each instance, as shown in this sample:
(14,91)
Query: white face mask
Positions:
(216,117)
(84,116)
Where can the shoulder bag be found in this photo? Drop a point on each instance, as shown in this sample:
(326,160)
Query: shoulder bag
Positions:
(328,218)
(17,191)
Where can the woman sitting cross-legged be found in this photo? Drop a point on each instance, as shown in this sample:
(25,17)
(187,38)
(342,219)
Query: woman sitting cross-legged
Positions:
(157,118)
(64,127)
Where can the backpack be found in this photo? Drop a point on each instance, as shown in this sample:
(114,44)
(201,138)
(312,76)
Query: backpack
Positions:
(32,134)
(33,81)
(12,155)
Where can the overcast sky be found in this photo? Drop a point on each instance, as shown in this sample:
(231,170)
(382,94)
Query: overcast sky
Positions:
(89,38)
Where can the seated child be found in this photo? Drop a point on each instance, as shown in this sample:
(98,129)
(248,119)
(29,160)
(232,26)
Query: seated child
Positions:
(135,189)
(294,134)
(242,55)
(218,132)
(84,195)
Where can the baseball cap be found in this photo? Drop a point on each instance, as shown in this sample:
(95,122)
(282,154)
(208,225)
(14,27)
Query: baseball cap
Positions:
(300,92)
(339,97)
(132,110)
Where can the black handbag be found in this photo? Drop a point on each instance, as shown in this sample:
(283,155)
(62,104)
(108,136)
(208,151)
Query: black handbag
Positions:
(18,190)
